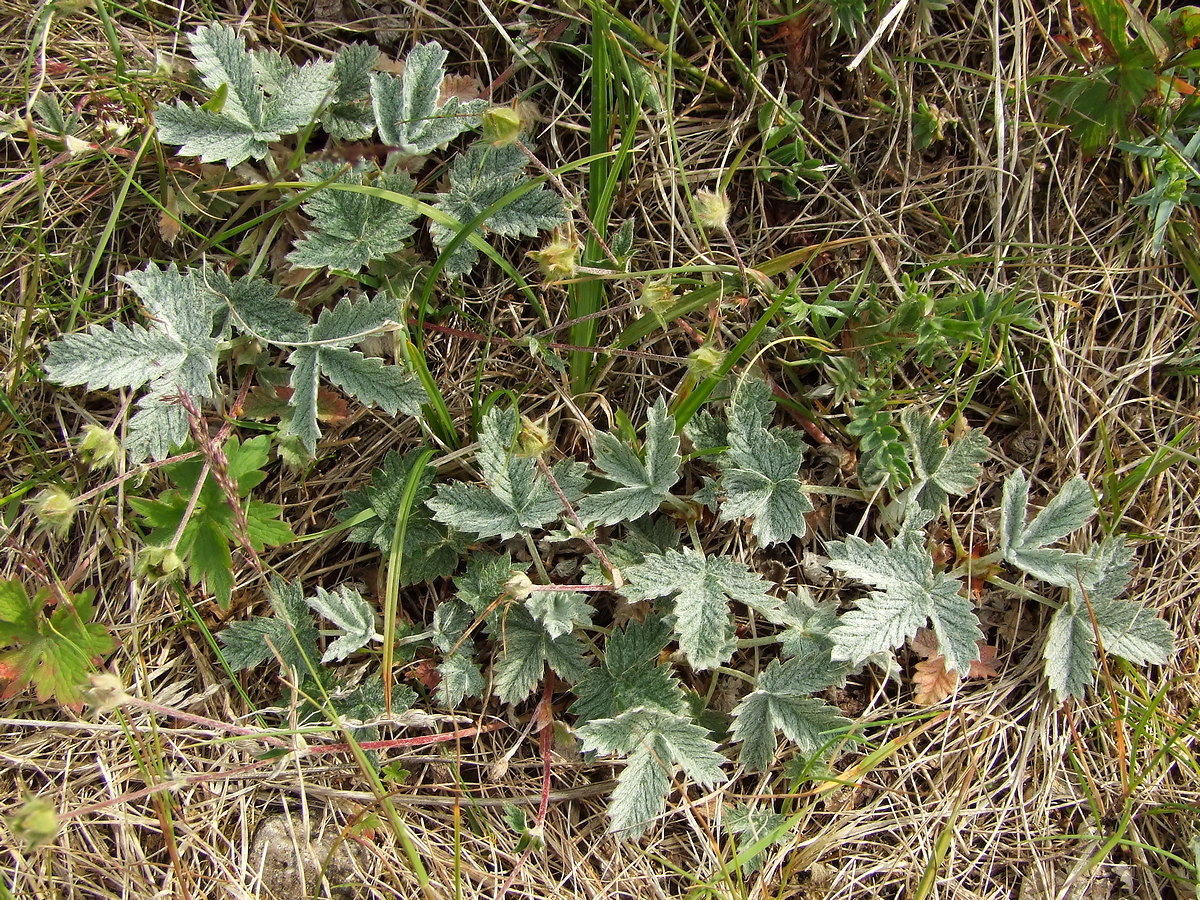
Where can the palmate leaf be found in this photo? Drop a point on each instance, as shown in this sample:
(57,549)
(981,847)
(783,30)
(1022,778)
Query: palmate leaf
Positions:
(758,481)
(289,635)
(478,178)
(630,676)
(1026,545)
(1125,628)
(781,701)
(703,587)
(265,98)
(176,354)
(326,353)
(941,469)
(658,744)
(808,625)
(406,109)
(204,542)
(525,648)
(346,609)
(348,116)
(559,612)
(643,483)
(54,652)
(909,594)
(430,549)
(352,229)
(515,498)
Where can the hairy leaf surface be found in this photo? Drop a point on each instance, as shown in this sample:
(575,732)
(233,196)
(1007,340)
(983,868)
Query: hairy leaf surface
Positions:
(909,594)
(642,483)
(657,744)
(351,229)
(703,587)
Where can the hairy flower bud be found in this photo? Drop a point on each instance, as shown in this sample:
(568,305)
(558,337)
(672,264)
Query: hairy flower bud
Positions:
(502,126)
(712,209)
(704,362)
(559,258)
(55,510)
(99,448)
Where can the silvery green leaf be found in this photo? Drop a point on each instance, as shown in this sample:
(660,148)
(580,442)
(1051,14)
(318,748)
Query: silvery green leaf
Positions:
(643,483)
(940,469)
(559,612)
(1025,545)
(346,609)
(703,587)
(630,676)
(752,406)
(351,229)
(781,702)
(176,354)
(115,357)
(460,678)
(349,117)
(484,580)
(758,480)
(248,120)
(909,594)
(515,498)
(525,648)
(406,109)
(258,310)
(451,620)
(367,378)
(373,381)
(289,635)
(754,823)
(808,624)
(706,432)
(480,177)
(657,744)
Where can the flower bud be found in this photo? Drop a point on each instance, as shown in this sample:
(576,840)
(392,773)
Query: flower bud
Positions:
(534,439)
(99,448)
(712,209)
(502,126)
(55,510)
(705,362)
(35,822)
(657,296)
(158,563)
(559,258)
(519,586)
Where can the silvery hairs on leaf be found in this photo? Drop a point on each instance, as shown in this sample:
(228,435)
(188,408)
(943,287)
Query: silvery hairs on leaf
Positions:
(908,593)
(176,354)
(406,109)
(266,97)
(643,482)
